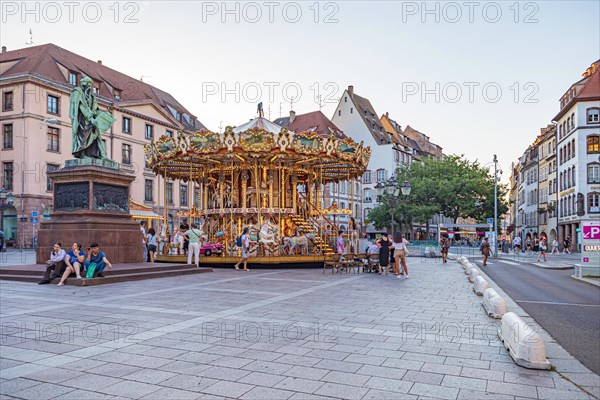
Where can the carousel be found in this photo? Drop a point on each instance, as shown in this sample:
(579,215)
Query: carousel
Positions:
(261,176)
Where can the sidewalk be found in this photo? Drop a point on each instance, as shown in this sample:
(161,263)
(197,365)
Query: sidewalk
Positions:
(12,257)
(284,334)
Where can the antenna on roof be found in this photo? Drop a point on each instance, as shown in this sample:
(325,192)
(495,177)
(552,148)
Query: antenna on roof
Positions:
(145,76)
(269,111)
(320,102)
(31,42)
(220,126)
(280,108)
(292,103)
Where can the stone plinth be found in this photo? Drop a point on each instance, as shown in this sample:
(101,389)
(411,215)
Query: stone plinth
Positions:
(91,204)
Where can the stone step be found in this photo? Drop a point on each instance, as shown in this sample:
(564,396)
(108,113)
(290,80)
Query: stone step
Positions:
(111,277)
(146,268)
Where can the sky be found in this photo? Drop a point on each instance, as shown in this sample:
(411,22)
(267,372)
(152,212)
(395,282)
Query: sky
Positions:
(479,78)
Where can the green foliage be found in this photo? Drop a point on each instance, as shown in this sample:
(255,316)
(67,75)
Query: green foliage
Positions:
(453,186)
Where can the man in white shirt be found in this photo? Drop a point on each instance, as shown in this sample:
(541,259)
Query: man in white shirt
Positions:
(144,239)
(56,263)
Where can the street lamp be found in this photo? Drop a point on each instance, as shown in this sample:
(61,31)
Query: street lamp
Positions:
(392,190)
(405,188)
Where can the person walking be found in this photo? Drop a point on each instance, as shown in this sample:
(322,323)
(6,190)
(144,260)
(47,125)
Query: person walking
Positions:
(152,244)
(194,237)
(384,244)
(517,244)
(485,250)
(567,245)
(144,245)
(542,248)
(244,243)
(445,246)
(555,248)
(400,252)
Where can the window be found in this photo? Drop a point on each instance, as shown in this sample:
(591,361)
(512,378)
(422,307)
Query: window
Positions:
(593,173)
(368,197)
(126,153)
(593,144)
(72,78)
(53,104)
(177,115)
(96,87)
(594,203)
(53,137)
(572,120)
(126,125)
(367,177)
(169,133)
(573,148)
(339,113)
(7,101)
(8,171)
(148,190)
(117,94)
(593,115)
(7,136)
(183,195)
(345,99)
(381,175)
(149,132)
(351,110)
(169,192)
(50,168)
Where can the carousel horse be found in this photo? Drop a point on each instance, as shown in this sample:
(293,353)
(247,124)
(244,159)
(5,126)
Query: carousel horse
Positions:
(267,237)
(298,241)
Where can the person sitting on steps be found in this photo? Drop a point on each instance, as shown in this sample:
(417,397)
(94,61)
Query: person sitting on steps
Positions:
(55,264)
(74,261)
(96,262)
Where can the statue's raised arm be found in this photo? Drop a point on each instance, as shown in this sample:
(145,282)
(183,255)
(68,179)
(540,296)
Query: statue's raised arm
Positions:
(88,122)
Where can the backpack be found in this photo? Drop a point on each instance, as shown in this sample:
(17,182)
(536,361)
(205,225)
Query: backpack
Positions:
(91,270)
(238,242)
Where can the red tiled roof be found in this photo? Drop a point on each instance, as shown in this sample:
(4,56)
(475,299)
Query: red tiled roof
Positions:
(589,90)
(314,121)
(43,61)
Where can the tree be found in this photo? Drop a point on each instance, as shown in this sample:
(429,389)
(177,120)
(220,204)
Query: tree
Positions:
(452,186)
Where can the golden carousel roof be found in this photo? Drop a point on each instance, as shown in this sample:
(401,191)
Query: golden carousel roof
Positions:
(261,142)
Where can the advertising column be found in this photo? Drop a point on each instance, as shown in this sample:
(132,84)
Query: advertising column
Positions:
(590,248)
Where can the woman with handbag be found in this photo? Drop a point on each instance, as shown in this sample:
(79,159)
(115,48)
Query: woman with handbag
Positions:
(400,252)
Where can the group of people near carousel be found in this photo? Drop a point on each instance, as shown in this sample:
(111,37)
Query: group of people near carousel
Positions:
(392,253)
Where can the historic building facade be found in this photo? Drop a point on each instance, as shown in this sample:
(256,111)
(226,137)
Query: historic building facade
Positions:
(35,85)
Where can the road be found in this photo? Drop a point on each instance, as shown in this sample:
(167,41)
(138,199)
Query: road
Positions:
(567,309)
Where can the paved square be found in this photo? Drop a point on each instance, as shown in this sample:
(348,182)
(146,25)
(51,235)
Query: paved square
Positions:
(266,334)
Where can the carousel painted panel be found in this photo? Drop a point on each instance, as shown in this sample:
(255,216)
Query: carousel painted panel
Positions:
(256,140)
(308,143)
(205,142)
(166,147)
(346,149)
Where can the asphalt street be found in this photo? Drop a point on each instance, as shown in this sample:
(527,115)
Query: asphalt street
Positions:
(568,310)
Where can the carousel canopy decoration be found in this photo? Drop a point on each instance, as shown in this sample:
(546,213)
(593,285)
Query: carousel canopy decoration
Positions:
(257,141)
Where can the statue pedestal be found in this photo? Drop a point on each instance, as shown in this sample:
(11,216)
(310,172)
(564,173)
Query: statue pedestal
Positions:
(91,204)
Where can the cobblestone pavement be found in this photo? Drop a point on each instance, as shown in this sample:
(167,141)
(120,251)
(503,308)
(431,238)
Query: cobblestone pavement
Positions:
(269,334)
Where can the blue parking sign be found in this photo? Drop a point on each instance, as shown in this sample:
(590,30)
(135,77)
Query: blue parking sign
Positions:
(490,221)
(34,214)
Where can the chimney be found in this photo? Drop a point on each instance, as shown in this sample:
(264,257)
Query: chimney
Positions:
(292,116)
(100,62)
(4,49)
(387,114)
(351,90)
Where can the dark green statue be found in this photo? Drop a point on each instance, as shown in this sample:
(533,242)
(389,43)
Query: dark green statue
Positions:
(88,122)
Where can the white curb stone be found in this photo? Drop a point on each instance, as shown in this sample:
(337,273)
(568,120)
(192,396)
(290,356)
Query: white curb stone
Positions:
(474,273)
(525,346)
(494,304)
(480,285)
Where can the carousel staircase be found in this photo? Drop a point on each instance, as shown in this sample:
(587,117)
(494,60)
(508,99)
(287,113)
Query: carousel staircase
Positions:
(308,228)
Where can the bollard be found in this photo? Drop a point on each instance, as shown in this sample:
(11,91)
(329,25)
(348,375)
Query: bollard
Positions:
(524,345)
(494,304)
(468,269)
(480,285)
(474,272)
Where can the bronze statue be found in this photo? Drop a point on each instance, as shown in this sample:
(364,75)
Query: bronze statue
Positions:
(88,122)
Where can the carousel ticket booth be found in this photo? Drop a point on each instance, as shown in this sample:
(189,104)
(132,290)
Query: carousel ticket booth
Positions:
(264,177)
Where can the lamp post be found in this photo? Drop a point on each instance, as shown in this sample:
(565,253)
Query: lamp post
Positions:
(392,190)
(7,199)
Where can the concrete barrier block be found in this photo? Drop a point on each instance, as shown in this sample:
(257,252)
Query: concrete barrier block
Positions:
(468,269)
(494,304)
(468,265)
(480,285)
(474,273)
(524,345)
